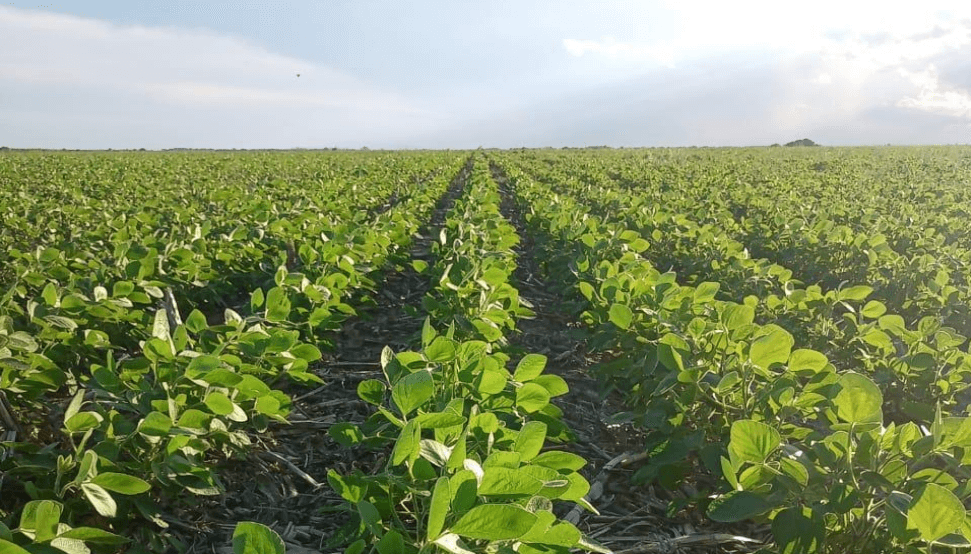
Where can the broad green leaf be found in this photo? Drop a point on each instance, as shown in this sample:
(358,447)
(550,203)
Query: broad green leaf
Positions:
(494,522)
(7,547)
(752,441)
(873,309)
(530,439)
(772,348)
(277,305)
(346,434)
(412,391)
(100,499)
(529,368)
(559,460)
(371,391)
(807,360)
(504,481)
(859,292)
(935,512)
(735,316)
(621,316)
(121,483)
(408,445)
(438,508)
(532,397)
(93,535)
(196,322)
(155,424)
(83,421)
(351,487)
(391,543)
(440,350)
(554,384)
(737,506)
(256,299)
(859,400)
(256,538)
(796,531)
(42,517)
(219,403)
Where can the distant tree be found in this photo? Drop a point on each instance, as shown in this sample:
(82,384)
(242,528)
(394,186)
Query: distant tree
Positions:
(802,142)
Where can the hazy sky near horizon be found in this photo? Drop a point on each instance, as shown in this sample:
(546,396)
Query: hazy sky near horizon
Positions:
(446,74)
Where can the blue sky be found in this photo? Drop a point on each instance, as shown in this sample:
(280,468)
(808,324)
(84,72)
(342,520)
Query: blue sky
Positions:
(430,74)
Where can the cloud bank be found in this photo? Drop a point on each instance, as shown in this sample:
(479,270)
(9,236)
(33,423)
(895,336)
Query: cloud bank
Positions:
(83,81)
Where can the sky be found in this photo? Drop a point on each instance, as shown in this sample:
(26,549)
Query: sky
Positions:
(504,73)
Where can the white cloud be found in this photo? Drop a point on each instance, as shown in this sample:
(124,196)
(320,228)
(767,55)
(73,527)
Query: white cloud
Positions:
(614,49)
(934,97)
(155,68)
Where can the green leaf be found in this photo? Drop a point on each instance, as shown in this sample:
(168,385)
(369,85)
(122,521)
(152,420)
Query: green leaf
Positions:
(122,289)
(873,309)
(935,512)
(219,403)
(307,352)
(277,305)
(345,434)
(391,543)
(204,363)
(494,522)
(7,547)
(621,316)
(408,445)
(530,439)
(796,531)
(559,460)
(859,292)
(255,538)
(61,322)
(196,322)
(752,441)
(735,316)
(42,517)
(554,384)
(100,499)
(20,340)
(532,397)
(440,350)
(807,360)
(83,421)
(155,424)
(859,400)
(438,509)
(504,481)
(121,483)
(351,488)
(93,535)
(371,391)
(772,348)
(412,391)
(529,368)
(737,506)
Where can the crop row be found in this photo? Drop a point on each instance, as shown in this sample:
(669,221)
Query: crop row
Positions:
(791,438)
(918,365)
(468,469)
(119,402)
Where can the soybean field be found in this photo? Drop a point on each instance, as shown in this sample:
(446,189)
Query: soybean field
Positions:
(532,351)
